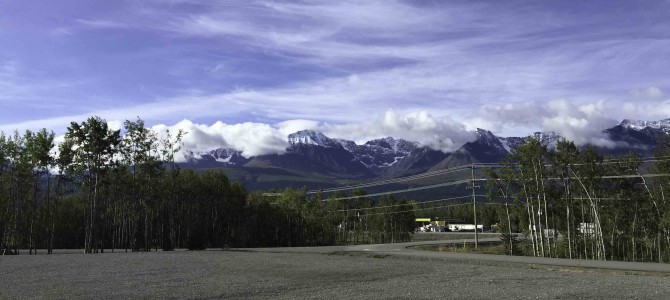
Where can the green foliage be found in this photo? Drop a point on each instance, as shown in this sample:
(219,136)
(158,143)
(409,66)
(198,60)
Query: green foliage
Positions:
(126,192)
(600,208)
(105,191)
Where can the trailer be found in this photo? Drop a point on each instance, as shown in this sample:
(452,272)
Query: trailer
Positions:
(465,227)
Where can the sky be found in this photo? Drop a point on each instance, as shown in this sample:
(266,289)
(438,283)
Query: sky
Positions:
(244,74)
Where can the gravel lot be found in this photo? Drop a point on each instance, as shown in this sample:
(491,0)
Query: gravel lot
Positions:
(330,274)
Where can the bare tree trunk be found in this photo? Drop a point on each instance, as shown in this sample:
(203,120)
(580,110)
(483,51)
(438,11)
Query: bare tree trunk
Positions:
(532,229)
(546,222)
(509,231)
(568,217)
(531,218)
(539,210)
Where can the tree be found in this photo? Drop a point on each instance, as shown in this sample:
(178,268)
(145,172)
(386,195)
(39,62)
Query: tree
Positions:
(139,150)
(38,148)
(563,161)
(94,146)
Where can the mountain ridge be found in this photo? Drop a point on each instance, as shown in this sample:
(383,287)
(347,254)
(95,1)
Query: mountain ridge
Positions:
(312,153)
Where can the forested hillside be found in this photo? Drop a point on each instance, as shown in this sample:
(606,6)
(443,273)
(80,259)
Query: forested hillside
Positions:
(104,190)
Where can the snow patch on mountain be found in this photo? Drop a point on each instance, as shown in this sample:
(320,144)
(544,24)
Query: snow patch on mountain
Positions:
(224,160)
(347,144)
(311,137)
(510,143)
(638,125)
(382,153)
(548,139)
(488,138)
(226,156)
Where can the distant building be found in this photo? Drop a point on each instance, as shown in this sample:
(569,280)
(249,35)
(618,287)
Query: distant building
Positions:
(548,232)
(587,228)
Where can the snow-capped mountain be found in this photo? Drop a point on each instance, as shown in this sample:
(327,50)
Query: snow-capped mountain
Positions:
(487,147)
(663,125)
(227,155)
(637,136)
(380,154)
(488,138)
(216,157)
(511,142)
(376,155)
(310,137)
(312,154)
(548,139)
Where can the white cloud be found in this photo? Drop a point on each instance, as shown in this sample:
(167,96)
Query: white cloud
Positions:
(250,138)
(629,107)
(389,54)
(106,24)
(654,92)
(649,93)
(258,139)
(581,123)
(291,126)
(442,133)
(472,124)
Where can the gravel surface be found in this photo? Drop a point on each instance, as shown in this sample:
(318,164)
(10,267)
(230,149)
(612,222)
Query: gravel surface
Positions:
(289,275)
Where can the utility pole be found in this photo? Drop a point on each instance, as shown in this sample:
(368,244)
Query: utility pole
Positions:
(474,205)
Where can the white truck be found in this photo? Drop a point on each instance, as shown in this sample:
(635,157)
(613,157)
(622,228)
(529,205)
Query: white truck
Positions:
(465,227)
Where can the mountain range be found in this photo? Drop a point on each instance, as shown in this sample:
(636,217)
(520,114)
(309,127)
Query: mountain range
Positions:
(314,160)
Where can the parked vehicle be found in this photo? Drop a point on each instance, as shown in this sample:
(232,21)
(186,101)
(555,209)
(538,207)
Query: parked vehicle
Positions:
(465,227)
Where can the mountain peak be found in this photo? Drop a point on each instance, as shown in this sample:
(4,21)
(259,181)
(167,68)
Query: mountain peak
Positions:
(311,137)
(386,142)
(546,135)
(485,134)
(639,124)
(487,137)
(395,145)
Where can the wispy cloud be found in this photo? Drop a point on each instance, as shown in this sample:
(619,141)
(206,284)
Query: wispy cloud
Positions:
(505,66)
(103,24)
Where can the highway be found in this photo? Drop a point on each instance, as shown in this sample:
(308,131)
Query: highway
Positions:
(409,250)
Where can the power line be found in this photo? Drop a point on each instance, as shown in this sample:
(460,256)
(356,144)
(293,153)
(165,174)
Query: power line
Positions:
(452,170)
(427,208)
(401,191)
(394,180)
(461,168)
(405,204)
(600,177)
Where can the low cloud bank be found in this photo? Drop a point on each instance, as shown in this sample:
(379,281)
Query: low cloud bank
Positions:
(251,139)
(254,139)
(581,123)
(440,133)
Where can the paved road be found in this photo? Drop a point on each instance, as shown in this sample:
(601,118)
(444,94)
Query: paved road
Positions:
(409,250)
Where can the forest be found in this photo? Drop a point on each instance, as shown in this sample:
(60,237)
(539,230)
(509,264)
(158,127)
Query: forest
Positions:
(571,202)
(106,190)
(577,204)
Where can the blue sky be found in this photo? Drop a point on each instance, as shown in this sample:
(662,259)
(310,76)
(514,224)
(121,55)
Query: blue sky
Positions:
(427,70)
